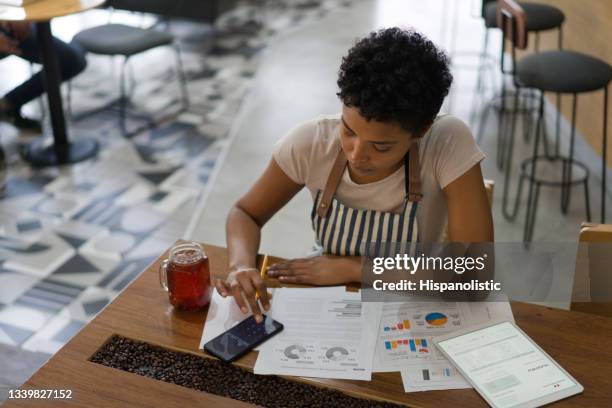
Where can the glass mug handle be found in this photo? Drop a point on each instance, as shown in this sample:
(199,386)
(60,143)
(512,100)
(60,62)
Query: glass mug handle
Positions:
(163,274)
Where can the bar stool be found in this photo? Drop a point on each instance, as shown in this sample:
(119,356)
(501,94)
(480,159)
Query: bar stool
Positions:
(561,72)
(540,17)
(128,41)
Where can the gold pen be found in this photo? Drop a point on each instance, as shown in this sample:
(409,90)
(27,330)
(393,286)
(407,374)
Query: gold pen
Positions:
(263,271)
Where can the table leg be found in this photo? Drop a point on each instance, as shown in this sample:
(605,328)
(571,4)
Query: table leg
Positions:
(62,151)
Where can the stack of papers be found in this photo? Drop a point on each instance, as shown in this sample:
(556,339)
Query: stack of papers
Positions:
(330,333)
(405,339)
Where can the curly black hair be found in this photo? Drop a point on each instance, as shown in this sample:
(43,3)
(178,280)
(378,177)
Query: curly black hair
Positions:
(395,75)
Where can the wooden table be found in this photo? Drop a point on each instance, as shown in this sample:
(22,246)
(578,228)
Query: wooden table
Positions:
(41,12)
(578,341)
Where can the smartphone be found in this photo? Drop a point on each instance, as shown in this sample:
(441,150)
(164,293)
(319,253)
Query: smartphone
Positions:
(242,338)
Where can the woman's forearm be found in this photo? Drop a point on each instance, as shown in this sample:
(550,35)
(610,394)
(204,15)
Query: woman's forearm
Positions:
(356,269)
(243,237)
(350,267)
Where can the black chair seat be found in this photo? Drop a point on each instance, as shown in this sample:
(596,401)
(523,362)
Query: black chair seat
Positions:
(540,17)
(563,71)
(119,39)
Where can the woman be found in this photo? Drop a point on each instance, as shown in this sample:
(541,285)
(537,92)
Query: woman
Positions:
(388,169)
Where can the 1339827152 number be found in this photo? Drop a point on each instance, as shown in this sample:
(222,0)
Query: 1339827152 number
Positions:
(40,394)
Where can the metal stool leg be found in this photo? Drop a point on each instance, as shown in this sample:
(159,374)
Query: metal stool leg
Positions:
(122,97)
(530,221)
(526,107)
(511,215)
(131,76)
(181,76)
(558,126)
(483,121)
(531,200)
(500,127)
(587,202)
(604,157)
(511,130)
(566,177)
(558,123)
(545,146)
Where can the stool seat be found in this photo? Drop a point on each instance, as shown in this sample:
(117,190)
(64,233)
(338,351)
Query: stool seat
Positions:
(563,71)
(120,39)
(540,17)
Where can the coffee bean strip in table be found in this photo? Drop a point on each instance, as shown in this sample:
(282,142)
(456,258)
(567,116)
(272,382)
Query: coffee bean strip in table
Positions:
(216,377)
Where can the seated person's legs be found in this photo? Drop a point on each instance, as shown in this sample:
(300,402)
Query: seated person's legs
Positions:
(71,61)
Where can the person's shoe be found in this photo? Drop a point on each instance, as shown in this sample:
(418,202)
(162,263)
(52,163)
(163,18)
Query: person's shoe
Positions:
(25,123)
(21,122)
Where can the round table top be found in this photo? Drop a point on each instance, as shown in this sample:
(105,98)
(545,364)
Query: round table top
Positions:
(43,10)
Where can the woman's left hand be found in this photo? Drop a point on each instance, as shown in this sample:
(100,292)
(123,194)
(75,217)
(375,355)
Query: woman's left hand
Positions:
(319,270)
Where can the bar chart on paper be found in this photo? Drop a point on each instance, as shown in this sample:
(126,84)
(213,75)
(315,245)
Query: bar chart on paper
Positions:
(407,329)
(431,376)
(403,325)
(420,346)
(434,372)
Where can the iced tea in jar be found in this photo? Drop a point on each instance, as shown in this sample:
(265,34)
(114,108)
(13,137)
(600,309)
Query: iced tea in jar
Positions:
(185,275)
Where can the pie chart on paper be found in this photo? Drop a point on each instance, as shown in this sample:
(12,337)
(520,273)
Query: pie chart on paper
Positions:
(336,353)
(294,352)
(436,319)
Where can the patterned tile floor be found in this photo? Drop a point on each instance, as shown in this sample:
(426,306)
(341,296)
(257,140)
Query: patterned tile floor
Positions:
(72,238)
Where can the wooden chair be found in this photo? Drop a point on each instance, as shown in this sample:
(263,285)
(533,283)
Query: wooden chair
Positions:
(592,291)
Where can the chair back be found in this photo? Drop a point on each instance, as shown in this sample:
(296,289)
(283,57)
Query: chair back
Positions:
(512,19)
(592,290)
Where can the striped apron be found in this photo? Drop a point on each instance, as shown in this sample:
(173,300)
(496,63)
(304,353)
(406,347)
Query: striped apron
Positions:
(342,230)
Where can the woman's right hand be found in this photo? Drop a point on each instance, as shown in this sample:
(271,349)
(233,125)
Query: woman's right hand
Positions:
(244,285)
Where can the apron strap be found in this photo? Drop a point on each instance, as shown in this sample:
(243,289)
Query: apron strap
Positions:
(413,179)
(332,184)
(414,191)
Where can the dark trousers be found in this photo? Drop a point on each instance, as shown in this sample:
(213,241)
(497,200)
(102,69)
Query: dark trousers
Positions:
(70,58)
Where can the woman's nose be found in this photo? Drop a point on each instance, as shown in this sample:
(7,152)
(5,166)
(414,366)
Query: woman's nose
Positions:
(358,154)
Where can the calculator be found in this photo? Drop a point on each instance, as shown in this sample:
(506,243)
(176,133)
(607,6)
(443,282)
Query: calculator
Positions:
(242,338)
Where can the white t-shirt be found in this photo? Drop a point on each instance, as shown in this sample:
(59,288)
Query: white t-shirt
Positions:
(307,153)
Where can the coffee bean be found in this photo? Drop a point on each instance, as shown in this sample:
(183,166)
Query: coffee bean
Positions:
(216,377)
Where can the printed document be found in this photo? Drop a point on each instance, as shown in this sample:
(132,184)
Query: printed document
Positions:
(224,313)
(405,339)
(327,335)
